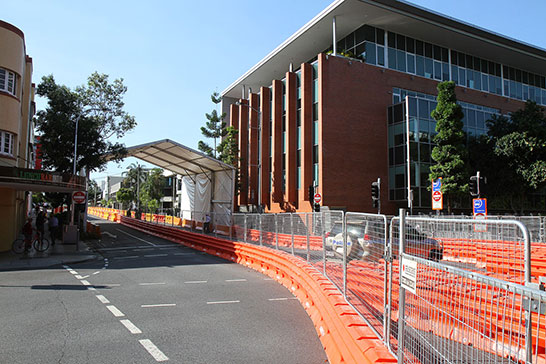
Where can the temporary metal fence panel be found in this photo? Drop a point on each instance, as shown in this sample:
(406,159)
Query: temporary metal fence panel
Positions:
(269,230)
(452,311)
(334,223)
(316,249)
(285,235)
(239,227)
(253,229)
(366,271)
(301,229)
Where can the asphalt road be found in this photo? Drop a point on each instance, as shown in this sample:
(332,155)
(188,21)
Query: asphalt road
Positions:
(149,300)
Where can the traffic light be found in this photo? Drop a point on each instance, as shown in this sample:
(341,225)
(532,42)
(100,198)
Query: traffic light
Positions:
(473,186)
(375,194)
(317,207)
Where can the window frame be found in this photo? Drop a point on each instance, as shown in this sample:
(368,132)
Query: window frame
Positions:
(11,143)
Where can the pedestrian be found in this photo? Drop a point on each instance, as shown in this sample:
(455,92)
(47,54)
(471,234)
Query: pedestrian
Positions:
(53,227)
(27,232)
(206,226)
(40,221)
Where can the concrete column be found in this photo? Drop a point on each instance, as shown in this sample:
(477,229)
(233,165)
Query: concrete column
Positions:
(306,133)
(265,94)
(253,148)
(291,139)
(277,193)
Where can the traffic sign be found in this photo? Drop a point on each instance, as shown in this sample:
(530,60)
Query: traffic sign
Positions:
(317,198)
(437,195)
(479,206)
(78,196)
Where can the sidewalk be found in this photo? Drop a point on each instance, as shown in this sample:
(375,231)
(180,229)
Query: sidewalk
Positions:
(55,255)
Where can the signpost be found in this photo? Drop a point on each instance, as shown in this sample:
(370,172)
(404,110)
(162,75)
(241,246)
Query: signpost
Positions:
(317,198)
(79,197)
(437,196)
(479,206)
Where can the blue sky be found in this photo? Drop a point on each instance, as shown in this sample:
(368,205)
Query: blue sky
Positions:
(173,54)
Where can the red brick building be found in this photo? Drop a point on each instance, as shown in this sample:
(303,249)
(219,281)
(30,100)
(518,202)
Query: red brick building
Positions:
(307,115)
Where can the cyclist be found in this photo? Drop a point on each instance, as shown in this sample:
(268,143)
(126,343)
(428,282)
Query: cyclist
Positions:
(40,221)
(27,232)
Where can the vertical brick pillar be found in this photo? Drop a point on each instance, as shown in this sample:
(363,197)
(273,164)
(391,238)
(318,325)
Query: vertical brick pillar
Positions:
(277,194)
(291,138)
(243,152)
(265,168)
(253,151)
(234,122)
(306,132)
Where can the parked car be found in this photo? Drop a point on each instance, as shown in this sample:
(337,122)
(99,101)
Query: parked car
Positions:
(365,241)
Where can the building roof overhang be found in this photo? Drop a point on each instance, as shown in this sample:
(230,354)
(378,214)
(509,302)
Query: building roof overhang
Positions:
(393,15)
(177,158)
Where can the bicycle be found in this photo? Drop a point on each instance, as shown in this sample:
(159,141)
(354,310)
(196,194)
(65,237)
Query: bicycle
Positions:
(39,243)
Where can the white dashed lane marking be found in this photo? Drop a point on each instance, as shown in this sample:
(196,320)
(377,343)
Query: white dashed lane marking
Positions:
(159,305)
(221,302)
(115,311)
(102,298)
(195,282)
(282,299)
(127,257)
(155,255)
(85,283)
(153,350)
(131,327)
(151,283)
(235,280)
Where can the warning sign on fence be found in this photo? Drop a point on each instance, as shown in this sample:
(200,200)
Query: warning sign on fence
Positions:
(409,275)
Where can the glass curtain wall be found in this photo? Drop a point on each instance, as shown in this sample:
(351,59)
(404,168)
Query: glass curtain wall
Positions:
(405,54)
(422,131)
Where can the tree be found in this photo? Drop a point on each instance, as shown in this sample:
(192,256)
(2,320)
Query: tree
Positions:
(450,150)
(135,177)
(518,147)
(152,189)
(215,128)
(98,109)
(228,149)
(124,195)
(93,190)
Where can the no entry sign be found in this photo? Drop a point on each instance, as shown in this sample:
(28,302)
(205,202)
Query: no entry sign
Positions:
(78,197)
(317,198)
(437,196)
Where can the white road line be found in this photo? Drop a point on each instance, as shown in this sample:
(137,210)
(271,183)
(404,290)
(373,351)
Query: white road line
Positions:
(97,272)
(115,311)
(184,253)
(195,282)
(102,298)
(85,283)
(155,255)
(235,280)
(282,299)
(109,284)
(153,350)
(221,302)
(127,257)
(81,277)
(150,284)
(91,288)
(159,305)
(136,237)
(109,234)
(143,249)
(171,247)
(131,327)
(73,272)
(268,279)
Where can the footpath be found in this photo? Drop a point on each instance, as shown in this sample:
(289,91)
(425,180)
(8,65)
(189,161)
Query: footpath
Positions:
(56,255)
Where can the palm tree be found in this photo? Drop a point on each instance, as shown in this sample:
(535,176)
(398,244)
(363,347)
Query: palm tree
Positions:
(136,174)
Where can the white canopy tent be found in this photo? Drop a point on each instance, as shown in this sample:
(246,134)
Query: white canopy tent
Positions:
(207,183)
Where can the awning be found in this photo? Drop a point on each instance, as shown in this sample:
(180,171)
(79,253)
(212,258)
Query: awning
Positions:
(177,158)
(40,181)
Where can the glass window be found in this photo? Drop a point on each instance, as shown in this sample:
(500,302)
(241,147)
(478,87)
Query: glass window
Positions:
(391,39)
(428,50)
(392,58)
(380,36)
(437,70)
(455,74)
(410,45)
(411,63)
(350,41)
(420,65)
(6,143)
(400,42)
(380,55)
(413,106)
(471,118)
(369,33)
(480,119)
(423,109)
(428,68)
(419,48)
(445,71)
(370,56)
(525,92)
(485,82)
(462,76)
(437,53)
(401,61)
